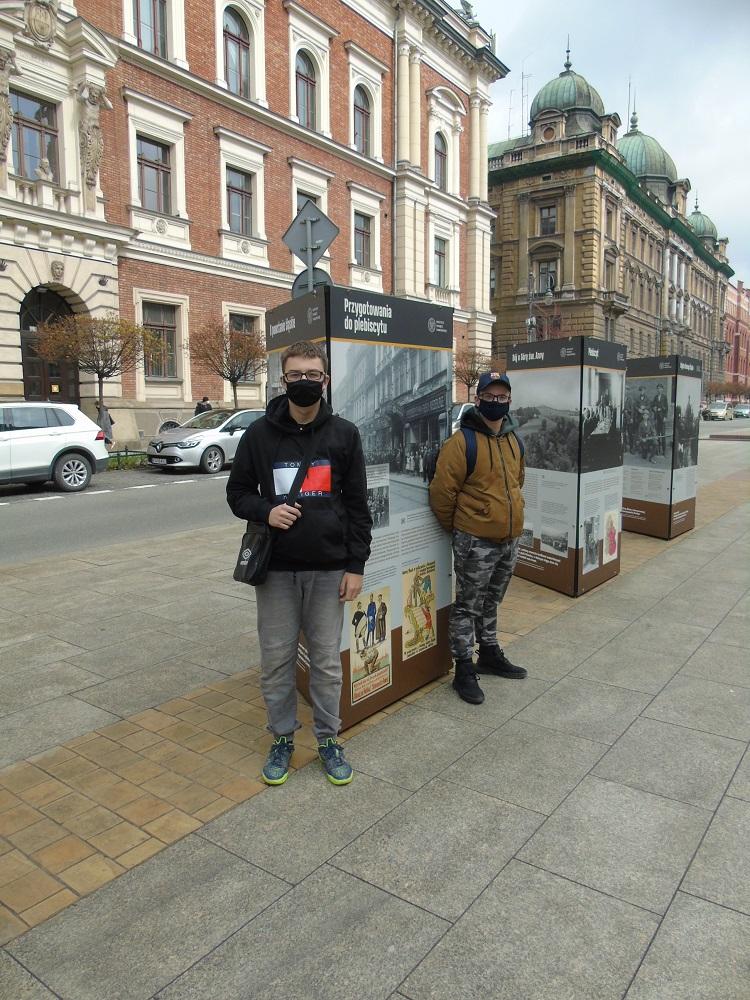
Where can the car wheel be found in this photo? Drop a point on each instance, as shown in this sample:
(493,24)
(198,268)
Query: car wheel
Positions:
(212,460)
(72,473)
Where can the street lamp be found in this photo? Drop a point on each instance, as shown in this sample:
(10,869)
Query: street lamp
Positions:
(723,350)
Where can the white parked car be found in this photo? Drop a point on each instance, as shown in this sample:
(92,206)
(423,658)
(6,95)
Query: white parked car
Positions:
(43,441)
(720,410)
(207,441)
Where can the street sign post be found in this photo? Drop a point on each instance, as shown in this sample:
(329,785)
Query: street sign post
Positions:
(309,236)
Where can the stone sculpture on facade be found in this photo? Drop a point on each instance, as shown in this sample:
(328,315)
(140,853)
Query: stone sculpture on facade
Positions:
(8,68)
(92,99)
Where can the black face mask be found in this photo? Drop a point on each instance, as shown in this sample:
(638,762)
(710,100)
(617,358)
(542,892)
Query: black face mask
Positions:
(493,411)
(304,393)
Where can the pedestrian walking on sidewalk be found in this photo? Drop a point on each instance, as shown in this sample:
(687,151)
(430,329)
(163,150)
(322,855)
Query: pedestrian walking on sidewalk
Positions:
(203,407)
(106,423)
(476,495)
(320,547)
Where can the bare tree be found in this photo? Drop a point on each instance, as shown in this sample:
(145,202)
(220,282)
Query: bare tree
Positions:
(105,346)
(469,363)
(232,354)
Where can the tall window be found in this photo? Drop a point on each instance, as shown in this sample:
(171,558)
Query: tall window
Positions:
(236,53)
(154,176)
(362,239)
(610,222)
(441,269)
(493,279)
(151,25)
(441,162)
(305,90)
(548,220)
(240,202)
(244,324)
(547,275)
(161,320)
(609,275)
(34,137)
(361,121)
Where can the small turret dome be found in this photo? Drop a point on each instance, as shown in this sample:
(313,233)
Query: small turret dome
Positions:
(567,92)
(645,156)
(701,224)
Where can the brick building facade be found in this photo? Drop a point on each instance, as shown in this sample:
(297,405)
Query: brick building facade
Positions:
(737,337)
(153,152)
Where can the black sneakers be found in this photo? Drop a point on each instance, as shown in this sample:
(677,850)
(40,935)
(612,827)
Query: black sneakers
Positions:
(465,683)
(492,660)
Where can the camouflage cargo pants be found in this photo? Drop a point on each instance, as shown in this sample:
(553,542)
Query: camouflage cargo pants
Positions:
(483,570)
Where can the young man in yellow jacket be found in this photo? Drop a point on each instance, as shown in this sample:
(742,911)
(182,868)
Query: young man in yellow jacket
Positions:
(476,495)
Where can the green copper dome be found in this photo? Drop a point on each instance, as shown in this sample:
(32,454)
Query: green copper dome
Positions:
(644,155)
(567,91)
(701,224)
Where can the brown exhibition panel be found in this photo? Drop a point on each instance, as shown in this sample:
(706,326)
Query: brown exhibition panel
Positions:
(568,399)
(661,427)
(391,375)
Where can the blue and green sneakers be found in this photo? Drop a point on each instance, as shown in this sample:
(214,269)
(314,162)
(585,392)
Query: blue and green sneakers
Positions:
(276,769)
(337,767)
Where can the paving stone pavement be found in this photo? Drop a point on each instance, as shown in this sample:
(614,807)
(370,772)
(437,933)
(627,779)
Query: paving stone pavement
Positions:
(581,835)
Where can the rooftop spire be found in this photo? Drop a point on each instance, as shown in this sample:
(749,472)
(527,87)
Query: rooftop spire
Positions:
(567,62)
(696,201)
(634,116)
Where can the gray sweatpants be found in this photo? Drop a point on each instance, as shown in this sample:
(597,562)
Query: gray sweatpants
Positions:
(287,604)
(483,570)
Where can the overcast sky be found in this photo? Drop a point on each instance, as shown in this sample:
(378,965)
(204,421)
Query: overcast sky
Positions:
(689,67)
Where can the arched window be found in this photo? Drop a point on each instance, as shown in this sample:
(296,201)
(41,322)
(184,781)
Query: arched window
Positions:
(361,121)
(236,53)
(441,162)
(305,72)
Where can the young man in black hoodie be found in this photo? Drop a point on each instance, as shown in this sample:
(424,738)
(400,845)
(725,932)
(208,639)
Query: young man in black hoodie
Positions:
(320,548)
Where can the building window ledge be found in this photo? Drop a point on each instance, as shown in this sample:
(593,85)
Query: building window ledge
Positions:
(249,249)
(156,227)
(370,278)
(444,296)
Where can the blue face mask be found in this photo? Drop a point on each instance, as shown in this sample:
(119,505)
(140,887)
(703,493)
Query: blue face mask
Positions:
(493,411)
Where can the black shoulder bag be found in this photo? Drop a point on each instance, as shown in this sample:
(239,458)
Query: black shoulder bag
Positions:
(257,542)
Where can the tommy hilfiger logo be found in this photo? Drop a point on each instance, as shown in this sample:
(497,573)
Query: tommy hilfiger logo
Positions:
(317,482)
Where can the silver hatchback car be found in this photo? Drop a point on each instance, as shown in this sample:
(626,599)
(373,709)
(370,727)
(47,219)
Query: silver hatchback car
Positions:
(207,441)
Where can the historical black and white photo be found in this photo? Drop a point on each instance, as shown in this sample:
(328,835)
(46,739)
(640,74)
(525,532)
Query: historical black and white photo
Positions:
(687,423)
(591,535)
(554,538)
(601,418)
(545,404)
(647,422)
(400,399)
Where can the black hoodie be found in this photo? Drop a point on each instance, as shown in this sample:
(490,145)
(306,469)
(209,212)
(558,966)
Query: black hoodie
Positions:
(335,528)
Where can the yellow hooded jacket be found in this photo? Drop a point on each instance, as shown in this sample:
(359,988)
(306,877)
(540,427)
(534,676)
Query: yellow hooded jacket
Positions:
(489,503)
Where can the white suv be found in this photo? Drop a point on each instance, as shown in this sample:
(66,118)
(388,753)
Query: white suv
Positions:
(43,441)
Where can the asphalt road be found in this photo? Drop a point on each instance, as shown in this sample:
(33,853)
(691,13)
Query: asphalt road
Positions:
(126,505)
(118,506)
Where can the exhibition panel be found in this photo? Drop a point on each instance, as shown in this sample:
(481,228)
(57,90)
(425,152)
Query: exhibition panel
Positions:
(391,375)
(661,424)
(568,401)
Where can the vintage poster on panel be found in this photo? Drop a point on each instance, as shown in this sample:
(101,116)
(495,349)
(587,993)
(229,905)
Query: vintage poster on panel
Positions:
(419,631)
(370,643)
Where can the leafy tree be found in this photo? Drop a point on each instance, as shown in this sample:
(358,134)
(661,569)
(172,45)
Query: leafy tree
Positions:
(230,353)
(105,346)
